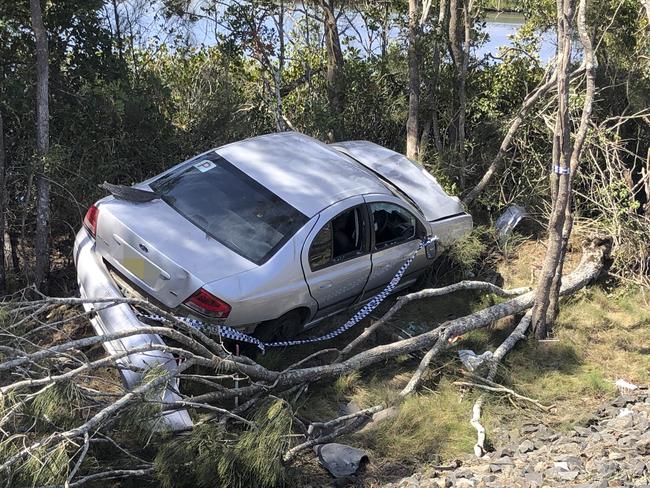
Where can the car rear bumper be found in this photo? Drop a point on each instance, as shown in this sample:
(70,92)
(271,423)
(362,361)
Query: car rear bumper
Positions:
(95,282)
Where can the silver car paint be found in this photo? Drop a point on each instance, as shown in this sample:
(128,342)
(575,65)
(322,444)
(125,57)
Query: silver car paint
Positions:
(95,282)
(409,176)
(325,183)
(268,291)
(337,286)
(303,171)
(386,262)
(183,256)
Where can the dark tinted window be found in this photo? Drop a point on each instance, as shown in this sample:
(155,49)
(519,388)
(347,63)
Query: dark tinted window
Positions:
(341,238)
(320,252)
(231,207)
(391,224)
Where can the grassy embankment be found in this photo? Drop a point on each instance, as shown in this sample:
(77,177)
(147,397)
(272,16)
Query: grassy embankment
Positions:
(601,335)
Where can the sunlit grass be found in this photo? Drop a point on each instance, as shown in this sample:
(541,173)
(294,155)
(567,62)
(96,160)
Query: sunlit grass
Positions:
(429,427)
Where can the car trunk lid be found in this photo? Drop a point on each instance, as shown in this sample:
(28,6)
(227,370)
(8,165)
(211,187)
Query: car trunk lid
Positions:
(159,251)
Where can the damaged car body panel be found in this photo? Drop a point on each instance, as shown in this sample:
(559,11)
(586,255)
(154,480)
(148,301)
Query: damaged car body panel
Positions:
(269,235)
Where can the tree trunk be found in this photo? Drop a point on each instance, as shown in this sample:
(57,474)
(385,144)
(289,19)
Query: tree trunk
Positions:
(412,130)
(589,62)
(42,147)
(437,54)
(3,206)
(543,316)
(460,55)
(335,91)
(280,123)
(118,31)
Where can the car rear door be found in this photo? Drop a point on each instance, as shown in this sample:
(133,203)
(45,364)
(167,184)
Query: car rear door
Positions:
(396,232)
(336,256)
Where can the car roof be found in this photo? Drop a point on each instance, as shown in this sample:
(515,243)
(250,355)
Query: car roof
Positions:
(301,170)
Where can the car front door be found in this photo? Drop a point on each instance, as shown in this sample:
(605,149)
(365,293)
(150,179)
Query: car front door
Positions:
(396,233)
(336,256)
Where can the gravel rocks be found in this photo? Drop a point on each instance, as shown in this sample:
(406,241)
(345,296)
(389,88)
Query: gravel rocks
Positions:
(614,450)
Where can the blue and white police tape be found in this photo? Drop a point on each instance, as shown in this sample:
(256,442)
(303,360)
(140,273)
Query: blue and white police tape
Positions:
(236,335)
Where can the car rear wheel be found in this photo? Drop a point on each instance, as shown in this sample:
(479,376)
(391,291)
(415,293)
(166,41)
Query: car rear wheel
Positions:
(285,327)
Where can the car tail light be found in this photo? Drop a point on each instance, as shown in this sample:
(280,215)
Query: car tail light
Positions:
(90,220)
(207,304)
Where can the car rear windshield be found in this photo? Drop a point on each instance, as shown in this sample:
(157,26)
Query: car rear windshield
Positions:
(230,206)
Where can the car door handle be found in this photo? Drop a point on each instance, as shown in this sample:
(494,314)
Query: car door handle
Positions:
(326,284)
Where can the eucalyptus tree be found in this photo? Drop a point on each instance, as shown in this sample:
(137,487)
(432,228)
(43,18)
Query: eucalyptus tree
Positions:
(335,65)
(42,252)
(566,159)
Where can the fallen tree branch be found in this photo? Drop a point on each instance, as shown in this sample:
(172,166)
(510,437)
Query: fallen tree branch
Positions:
(429,293)
(503,389)
(590,267)
(479,447)
(344,418)
(113,474)
(47,365)
(346,428)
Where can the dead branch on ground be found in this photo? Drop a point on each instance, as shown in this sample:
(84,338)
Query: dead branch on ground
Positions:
(34,368)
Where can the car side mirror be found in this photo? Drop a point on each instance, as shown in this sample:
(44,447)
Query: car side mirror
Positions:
(431,249)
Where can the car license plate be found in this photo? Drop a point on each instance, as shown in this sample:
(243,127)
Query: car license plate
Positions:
(139,267)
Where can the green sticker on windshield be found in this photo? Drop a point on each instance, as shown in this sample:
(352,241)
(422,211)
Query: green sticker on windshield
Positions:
(205,165)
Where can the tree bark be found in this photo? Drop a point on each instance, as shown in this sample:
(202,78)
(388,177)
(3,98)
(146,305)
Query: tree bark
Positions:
(460,54)
(437,54)
(560,177)
(412,130)
(335,89)
(3,207)
(42,266)
(576,151)
(118,32)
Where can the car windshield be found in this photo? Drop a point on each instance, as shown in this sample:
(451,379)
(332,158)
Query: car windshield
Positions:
(230,206)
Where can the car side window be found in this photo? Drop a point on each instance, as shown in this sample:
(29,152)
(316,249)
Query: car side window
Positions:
(392,224)
(342,238)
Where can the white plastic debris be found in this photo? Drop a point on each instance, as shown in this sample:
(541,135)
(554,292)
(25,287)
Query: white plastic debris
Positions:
(625,386)
(625,412)
(471,361)
(509,219)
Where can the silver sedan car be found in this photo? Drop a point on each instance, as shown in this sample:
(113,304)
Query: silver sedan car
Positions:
(270,235)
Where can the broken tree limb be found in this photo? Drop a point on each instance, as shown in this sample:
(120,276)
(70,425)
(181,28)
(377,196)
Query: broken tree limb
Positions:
(516,335)
(590,267)
(46,366)
(479,447)
(515,123)
(344,418)
(346,428)
(429,293)
(503,389)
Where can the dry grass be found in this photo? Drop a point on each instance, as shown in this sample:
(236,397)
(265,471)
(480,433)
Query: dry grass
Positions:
(599,337)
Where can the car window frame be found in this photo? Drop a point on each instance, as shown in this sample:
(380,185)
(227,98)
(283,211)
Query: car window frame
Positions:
(419,233)
(366,236)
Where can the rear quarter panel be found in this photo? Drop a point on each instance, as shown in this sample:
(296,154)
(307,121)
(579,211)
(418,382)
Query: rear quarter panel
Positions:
(268,291)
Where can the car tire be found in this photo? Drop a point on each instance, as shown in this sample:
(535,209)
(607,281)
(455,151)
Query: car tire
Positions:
(286,327)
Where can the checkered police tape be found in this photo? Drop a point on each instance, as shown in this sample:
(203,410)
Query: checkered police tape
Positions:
(235,335)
